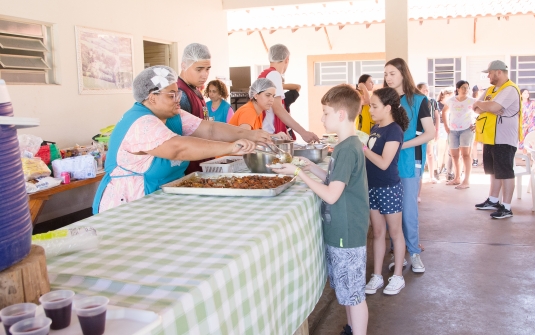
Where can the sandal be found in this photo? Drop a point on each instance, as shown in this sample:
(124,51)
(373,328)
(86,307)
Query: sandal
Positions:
(462,187)
(453,182)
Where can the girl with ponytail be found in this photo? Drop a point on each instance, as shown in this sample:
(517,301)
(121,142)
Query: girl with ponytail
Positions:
(385,188)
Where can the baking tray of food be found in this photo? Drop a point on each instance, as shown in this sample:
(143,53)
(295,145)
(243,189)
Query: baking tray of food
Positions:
(230,184)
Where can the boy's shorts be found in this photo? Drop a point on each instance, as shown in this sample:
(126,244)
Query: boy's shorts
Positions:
(387,200)
(347,274)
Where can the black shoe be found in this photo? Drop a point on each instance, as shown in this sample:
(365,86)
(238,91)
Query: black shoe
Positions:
(347,330)
(474,162)
(488,205)
(501,213)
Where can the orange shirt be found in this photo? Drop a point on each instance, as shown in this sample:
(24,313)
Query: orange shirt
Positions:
(246,114)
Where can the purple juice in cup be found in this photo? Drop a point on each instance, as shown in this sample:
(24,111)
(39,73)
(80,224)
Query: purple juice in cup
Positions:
(58,306)
(15,313)
(91,313)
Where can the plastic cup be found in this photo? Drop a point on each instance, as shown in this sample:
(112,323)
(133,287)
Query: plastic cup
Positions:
(32,326)
(15,313)
(91,313)
(58,307)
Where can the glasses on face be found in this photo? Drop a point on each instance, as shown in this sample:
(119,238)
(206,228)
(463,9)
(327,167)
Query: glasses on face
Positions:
(174,95)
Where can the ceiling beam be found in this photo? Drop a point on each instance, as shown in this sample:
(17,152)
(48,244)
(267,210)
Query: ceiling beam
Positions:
(294,30)
(317,28)
(340,27)
(250,32)
(272,31)
(475,24)
(328,39)
(240,4)
(263,41)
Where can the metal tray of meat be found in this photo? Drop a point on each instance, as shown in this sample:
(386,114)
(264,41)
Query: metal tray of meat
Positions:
(226,192)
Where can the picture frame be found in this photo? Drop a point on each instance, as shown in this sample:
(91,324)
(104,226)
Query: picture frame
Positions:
(105,61)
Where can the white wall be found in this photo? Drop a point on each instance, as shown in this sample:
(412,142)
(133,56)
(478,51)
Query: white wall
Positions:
(68,117)
(434,38)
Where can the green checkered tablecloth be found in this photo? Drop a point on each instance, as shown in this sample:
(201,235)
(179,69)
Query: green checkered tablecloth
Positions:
(207,265)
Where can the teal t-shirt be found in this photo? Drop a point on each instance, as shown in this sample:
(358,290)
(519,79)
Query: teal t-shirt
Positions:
(345,223)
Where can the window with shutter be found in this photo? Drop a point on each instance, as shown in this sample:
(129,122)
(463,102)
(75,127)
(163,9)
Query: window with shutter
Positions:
(25,53)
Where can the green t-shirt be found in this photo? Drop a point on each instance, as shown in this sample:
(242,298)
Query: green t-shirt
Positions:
(345,223)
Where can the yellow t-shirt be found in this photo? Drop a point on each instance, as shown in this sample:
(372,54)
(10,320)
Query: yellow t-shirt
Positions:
(364,121)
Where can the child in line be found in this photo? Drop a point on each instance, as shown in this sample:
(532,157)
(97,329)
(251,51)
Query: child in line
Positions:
(385,188)
(345,206)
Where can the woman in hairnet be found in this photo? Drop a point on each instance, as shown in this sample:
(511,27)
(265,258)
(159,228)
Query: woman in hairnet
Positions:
(153,142)
(251,115)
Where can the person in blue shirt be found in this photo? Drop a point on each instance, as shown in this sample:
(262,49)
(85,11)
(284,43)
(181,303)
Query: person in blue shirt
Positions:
(385,188)
(218,108)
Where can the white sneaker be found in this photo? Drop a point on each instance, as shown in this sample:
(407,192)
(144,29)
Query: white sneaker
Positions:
(375,283)
(391,265)
(395,284)
(417,265)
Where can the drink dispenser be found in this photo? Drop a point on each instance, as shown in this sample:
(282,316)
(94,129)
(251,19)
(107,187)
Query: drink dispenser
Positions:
(15,221)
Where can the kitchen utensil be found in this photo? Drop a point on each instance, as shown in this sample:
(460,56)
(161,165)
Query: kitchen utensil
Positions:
(315,155)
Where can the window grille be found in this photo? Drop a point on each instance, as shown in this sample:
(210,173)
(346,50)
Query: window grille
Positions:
(522,72)
(443,72)
(347,72)
(25,53)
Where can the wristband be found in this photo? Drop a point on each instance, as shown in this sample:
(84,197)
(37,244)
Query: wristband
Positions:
(296,172)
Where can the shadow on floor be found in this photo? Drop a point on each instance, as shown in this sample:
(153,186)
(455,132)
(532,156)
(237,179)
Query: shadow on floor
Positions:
(480,273)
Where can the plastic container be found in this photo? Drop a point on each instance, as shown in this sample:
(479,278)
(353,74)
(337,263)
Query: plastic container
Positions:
(15,313)
(33,326)
(91,313)
(226,164)
(58,307)
(62,241)
(15,220)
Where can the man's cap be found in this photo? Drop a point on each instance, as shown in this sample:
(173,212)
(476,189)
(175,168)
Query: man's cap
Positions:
(496,65)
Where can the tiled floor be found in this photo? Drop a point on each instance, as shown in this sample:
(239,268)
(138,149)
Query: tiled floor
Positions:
(480,272)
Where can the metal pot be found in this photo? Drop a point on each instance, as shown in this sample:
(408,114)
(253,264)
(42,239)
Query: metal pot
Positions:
(286,145)
(256,162)
(315,155)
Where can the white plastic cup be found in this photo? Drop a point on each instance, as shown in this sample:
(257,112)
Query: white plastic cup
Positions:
(4,94)
(58,307)
(91,313)
(32,326)
(15,313)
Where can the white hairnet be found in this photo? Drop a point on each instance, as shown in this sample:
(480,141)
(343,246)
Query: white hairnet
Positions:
(259,86)
(278,53)
(195,52)
(152,79)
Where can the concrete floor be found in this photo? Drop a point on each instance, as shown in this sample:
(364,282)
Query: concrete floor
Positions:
(480,272)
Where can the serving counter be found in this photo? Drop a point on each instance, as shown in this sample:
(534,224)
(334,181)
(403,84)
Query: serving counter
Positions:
(206,264)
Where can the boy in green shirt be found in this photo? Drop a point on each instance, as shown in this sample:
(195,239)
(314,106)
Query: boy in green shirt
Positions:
(345,207)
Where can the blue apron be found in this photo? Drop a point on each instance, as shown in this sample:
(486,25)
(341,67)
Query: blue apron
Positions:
(220,114)
(407,160)
(161,170)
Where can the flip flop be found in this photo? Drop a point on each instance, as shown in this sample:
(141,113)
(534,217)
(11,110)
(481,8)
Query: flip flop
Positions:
(462,187)
(451,182)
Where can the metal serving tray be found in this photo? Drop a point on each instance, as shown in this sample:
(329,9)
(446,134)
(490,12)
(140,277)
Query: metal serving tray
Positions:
(226,192)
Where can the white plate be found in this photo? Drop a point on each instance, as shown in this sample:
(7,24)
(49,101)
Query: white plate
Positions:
(19,122)
(119,320)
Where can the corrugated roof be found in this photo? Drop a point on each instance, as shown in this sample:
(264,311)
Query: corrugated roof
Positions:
(368,11)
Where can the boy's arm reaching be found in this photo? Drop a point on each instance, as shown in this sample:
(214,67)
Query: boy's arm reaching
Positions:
(328,193)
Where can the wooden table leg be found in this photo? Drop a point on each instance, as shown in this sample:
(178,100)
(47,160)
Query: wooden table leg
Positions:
(303,329)
(36,206)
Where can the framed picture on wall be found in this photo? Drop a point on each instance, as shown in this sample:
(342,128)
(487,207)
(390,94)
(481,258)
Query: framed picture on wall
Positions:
(105,61)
